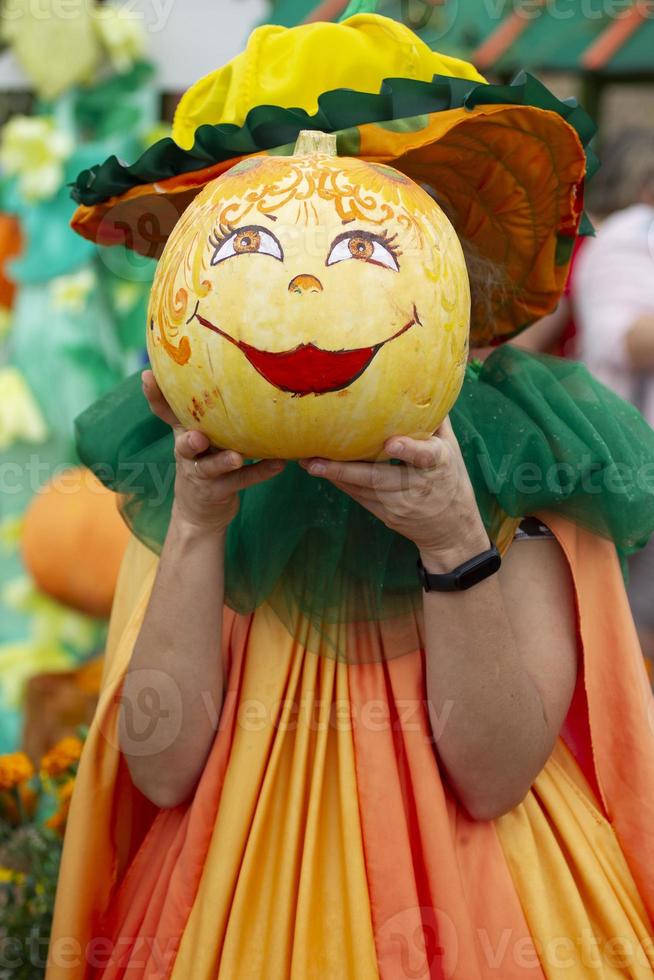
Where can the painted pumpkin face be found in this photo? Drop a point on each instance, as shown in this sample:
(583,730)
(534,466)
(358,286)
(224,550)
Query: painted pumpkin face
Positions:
(310,305)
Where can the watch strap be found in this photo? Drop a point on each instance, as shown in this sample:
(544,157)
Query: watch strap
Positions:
(464,576)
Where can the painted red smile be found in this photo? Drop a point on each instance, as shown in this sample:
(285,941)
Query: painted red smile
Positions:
(307,369)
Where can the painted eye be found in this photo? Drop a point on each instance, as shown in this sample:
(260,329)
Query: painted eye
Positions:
(360,247)
(246,241)
(365,247)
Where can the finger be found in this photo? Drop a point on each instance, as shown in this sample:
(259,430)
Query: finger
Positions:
(248,476)
(158,404)
(377,476)
(424,454)
(360,494)
(215,465)
(447,435)
(366,498)
(389,498)
(446,432)
(189,445)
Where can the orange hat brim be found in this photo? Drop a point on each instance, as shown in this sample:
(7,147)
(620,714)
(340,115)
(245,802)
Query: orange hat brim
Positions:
(510,178)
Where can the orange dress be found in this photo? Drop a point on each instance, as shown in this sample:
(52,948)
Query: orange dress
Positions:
(321,841)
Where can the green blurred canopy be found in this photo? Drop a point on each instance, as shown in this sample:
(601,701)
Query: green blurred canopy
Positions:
(612,38)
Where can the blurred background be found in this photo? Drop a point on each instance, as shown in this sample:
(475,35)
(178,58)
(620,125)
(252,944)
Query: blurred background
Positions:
(80,80)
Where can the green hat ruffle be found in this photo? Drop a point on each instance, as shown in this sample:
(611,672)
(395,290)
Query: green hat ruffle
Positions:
(339,111)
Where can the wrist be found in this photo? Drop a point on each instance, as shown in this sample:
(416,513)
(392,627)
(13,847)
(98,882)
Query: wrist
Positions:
(192,531)
(440,560)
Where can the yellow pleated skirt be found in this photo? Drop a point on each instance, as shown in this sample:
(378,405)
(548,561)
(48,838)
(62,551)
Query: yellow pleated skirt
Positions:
(323,843)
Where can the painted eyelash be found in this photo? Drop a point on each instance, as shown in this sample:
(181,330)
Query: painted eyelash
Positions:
(222,232)
(219,235)
(388,243)
(381,237)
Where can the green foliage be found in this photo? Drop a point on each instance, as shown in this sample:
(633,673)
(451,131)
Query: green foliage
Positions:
(29,865)
(33,814)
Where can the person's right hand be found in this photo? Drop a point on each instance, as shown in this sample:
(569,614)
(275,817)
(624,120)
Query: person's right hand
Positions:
(207,481)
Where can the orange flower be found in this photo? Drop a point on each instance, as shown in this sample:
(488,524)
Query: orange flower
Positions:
(29,799)
(66,791)
(60,758)
(15,769)
(57,821)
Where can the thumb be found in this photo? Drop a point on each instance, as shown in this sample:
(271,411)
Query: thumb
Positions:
(158,404)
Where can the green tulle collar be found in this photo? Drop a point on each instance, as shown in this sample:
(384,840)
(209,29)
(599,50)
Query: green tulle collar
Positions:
(537,433)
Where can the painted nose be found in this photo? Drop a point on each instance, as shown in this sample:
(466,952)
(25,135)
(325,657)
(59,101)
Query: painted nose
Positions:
(305,284)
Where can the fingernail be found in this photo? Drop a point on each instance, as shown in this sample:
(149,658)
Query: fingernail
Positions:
(395,446)
(232,459)
(317,469)
(197,440)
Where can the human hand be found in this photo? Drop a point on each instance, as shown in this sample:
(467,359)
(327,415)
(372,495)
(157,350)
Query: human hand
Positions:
(207,480)
(429,500)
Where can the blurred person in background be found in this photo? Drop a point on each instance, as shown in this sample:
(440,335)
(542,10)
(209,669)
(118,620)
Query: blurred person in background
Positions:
(614,308)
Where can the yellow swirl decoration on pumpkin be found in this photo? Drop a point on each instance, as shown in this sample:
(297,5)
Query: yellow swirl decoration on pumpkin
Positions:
(175,302)
(349,201)
(366,198)
(180,354)
(201,286)
(180,301)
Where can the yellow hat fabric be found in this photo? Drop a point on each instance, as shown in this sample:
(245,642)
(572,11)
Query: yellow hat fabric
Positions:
(291,67)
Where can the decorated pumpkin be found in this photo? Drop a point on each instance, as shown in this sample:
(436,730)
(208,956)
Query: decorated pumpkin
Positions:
(310,305)
(73,541)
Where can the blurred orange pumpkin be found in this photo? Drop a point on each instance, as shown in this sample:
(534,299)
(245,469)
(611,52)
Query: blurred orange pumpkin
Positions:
(73,541)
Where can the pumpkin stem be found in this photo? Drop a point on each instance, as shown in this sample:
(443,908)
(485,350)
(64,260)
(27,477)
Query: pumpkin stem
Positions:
(312,141)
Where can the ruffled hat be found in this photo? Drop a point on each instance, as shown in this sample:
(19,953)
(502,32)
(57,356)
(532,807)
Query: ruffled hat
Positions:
(506,162)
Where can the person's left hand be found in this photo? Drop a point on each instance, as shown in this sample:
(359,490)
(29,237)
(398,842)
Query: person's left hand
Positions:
(429,500)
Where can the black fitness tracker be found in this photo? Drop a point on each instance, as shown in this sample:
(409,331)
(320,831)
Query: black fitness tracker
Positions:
(464,576)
